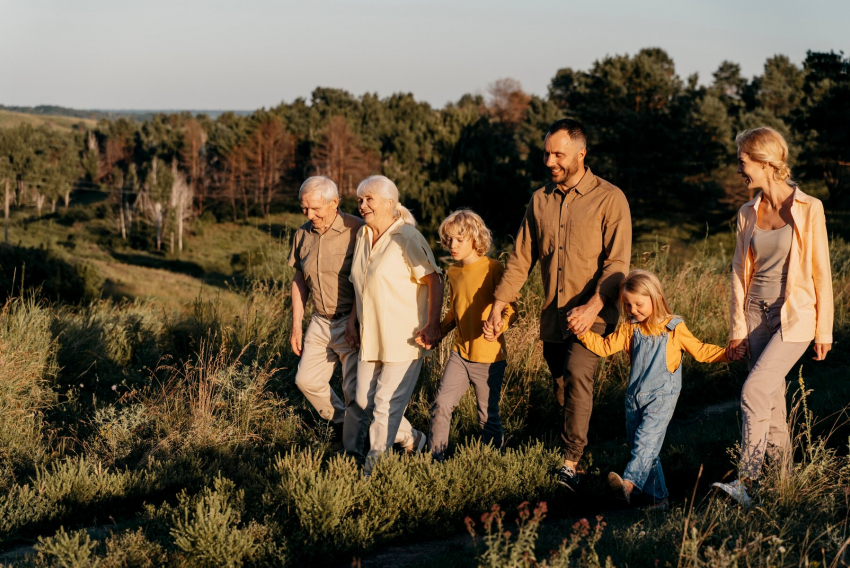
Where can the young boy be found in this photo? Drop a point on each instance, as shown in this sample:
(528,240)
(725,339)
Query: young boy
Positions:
(474,360)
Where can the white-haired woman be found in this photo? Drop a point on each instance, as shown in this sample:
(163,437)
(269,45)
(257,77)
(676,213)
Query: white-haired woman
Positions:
(781,297)
(399,295)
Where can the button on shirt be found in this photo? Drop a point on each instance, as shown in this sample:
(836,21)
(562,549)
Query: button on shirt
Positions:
(392,300)
(583,240)
(325,261)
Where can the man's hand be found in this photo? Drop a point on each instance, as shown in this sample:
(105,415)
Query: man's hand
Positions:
(493,325)
(738,349)
(581,318)
(352,332)
(295,341)
(821,349)
(428,336)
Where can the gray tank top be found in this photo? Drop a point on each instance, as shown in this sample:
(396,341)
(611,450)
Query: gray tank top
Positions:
(771,252)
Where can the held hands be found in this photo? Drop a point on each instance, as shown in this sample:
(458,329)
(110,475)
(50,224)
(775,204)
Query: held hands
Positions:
(738,349)
(581,318)
(429,336)
(352,333)
(493,323)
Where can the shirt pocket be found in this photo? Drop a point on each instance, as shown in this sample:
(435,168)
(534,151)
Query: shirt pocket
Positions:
(547,238)
(586,238)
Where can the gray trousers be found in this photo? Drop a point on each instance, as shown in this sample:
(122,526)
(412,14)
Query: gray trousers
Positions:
(765,428)
(486,379)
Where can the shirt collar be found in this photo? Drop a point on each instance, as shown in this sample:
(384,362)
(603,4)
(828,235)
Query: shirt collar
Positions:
(585,185)
(337,224)
(799,196)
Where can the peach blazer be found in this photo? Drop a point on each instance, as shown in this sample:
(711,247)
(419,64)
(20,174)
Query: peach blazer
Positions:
(808,309)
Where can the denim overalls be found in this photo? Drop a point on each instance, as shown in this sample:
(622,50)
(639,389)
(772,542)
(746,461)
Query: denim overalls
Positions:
(650,400)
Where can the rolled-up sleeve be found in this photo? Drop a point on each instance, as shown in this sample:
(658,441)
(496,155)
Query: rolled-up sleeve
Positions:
(521,260)
(294,259)
(617,243)
(738,321)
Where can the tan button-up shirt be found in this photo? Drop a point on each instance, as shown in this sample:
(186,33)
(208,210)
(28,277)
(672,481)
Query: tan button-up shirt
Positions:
(583,240)
(325,260)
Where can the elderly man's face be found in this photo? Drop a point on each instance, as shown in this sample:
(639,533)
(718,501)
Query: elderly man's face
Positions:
(320,212)
(562,156)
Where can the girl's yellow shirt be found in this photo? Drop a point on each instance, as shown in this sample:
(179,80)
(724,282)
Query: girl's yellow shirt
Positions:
(680,339)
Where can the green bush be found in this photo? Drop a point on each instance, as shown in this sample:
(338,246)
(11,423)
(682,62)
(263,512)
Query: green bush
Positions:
(49,272)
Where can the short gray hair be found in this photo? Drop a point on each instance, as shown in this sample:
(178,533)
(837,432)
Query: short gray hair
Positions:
(322,185)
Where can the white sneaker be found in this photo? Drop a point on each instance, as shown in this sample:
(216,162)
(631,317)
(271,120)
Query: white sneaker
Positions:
(418,445)
(736,490)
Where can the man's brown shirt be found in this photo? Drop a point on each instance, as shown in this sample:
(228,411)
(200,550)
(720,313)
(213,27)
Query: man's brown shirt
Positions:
(325,260)
(583,240)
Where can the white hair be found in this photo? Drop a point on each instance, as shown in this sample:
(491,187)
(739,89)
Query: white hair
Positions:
(322,185)
(384,187)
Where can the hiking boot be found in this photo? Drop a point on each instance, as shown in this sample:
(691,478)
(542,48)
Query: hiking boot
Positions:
(737,490)
(618,486)
(568,477)
(418,445)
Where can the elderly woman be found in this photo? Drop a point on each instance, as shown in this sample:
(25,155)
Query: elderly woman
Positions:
(781,297)
(399,295)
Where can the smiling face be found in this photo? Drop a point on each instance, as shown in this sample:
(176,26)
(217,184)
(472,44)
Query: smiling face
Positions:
(754,173)
(563,156)
(374,209)
(462,248)
(320,212)
(638,306)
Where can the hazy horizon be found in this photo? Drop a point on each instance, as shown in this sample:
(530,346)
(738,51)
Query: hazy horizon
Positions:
(224,55)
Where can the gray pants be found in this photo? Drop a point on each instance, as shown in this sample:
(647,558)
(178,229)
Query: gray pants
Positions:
(765,428)
(486,379)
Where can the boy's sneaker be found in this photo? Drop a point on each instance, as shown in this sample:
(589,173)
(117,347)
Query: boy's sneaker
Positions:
(568,477)
(737,490)
(618,486)
(418,445)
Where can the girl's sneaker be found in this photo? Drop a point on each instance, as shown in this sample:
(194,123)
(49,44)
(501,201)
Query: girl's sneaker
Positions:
(568,477)
(615,482)
(737,490)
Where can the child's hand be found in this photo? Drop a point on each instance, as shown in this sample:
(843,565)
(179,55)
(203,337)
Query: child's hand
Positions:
(489,332)
(428,337)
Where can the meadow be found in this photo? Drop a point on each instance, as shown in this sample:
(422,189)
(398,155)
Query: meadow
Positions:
(133,433)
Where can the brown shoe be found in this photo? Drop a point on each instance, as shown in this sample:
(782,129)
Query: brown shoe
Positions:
(618,486)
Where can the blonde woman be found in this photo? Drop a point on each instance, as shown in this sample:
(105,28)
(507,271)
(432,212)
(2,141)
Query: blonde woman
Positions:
(781,297)
(399,295)
(654,339)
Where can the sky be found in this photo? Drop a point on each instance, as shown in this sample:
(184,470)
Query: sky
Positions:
(246,54)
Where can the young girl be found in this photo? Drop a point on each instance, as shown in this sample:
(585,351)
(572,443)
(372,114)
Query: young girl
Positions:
(475,359)
(654,339)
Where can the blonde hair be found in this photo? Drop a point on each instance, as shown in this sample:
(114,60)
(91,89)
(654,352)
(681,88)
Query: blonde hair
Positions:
(321,185)
(645,283)
(466,223)
(767,146)
(384,187)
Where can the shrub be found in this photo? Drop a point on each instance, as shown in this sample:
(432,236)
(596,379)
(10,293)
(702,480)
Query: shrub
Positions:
(49,272)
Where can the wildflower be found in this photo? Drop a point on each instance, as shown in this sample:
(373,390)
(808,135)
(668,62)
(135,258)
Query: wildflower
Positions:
(114,387)
(781,550)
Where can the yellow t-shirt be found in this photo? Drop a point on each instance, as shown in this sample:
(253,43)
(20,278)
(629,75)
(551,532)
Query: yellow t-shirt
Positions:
(680,339)
(392,300)
(470,301)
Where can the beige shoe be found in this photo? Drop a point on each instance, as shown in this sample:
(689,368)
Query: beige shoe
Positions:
(418,445)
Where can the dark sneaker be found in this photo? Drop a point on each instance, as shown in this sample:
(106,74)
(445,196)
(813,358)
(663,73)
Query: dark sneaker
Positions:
(568,477)
(618,486)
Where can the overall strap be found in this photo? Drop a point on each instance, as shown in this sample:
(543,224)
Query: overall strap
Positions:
(671,325)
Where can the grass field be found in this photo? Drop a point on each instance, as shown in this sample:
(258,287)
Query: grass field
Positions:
(9,119)
(160,426)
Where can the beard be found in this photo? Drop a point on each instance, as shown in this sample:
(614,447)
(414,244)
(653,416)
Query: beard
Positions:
(568,172)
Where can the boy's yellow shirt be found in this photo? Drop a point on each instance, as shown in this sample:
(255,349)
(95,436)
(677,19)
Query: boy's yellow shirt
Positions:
(680,339)
(470,301)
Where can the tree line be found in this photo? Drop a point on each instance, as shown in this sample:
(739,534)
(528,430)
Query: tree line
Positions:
(654,134)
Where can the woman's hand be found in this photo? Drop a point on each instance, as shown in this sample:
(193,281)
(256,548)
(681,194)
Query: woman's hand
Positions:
(738,349)
(821,349)
(429,336)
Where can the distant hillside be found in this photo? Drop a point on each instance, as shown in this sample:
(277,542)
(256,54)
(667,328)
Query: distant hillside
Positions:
(97,114)
(9,119)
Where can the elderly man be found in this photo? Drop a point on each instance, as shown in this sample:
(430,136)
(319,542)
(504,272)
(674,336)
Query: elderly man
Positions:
(580,229)
(321,254)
